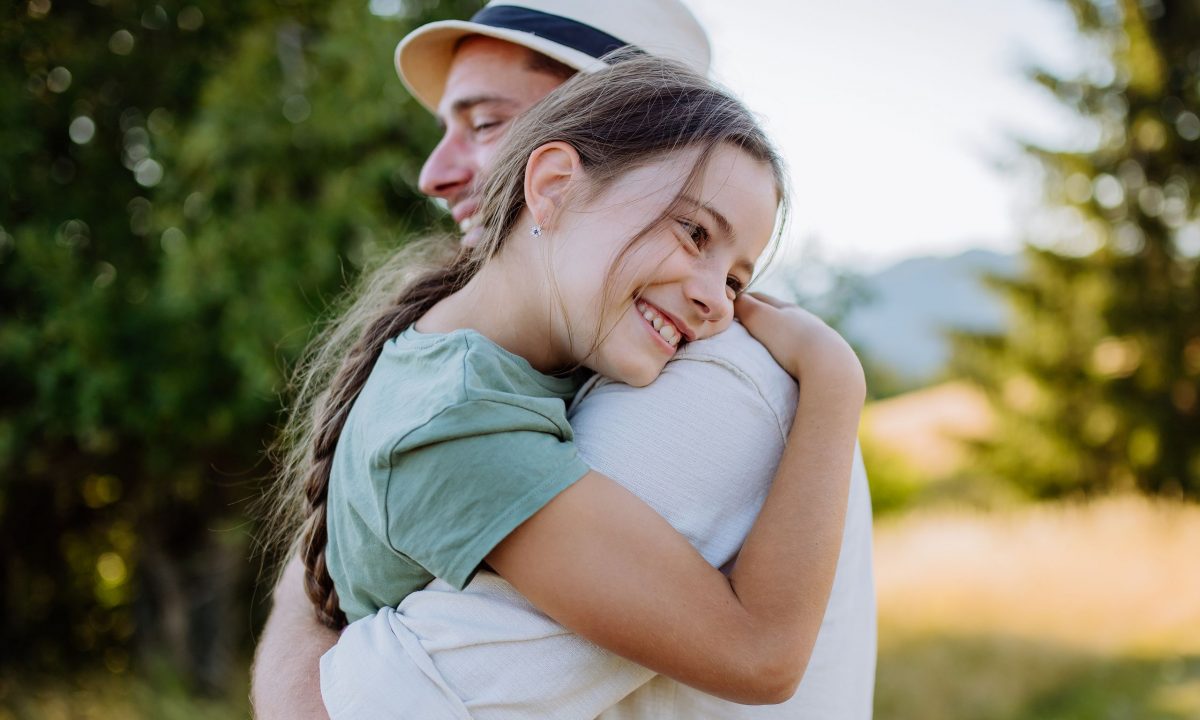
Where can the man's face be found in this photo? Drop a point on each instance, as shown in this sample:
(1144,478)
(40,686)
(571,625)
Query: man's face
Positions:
(489,84)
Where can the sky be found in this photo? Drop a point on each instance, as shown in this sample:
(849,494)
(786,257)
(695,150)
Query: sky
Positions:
(897,118)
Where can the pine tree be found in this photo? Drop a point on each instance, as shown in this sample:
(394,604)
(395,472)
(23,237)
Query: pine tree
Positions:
(183,187)
(1095,382)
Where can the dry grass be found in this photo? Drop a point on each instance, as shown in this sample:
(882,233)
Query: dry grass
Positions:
(1120,575)
(1057,610)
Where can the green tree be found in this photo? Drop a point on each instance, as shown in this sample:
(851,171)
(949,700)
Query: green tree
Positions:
(1095,381)
(183,186)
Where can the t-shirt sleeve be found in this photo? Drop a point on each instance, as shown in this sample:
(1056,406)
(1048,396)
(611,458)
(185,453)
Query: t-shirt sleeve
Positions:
(474,474)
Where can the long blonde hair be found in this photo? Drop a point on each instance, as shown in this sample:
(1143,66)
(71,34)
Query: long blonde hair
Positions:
(629,114)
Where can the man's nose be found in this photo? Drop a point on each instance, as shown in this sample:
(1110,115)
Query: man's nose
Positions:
(447,171)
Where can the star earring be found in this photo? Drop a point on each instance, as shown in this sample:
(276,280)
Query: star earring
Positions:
(535,230)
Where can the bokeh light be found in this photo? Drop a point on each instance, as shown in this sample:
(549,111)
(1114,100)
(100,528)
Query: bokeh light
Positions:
(82,130)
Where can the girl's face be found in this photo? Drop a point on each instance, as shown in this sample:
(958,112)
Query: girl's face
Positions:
(676,283)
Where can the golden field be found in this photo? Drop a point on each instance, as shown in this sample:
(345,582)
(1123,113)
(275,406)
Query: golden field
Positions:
(1051,610)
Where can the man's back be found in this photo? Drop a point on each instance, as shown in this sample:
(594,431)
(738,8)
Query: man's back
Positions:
(719,414)
(700,445)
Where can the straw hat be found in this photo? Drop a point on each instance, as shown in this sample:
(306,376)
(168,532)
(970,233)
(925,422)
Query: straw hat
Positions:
(573,32)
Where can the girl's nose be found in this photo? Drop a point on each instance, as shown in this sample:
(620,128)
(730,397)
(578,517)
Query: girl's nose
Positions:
(710,297)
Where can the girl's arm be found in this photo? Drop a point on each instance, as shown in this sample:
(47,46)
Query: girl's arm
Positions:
(602,563)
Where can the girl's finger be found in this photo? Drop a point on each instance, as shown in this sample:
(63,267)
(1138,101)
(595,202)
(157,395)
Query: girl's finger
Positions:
(747,306)
(768,299)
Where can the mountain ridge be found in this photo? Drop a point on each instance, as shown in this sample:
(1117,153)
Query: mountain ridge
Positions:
(912,302)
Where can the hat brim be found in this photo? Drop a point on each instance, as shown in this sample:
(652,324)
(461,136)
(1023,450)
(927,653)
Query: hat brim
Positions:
(423,57)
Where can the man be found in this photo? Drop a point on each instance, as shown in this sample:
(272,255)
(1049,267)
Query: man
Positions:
(670,444)
(477,76)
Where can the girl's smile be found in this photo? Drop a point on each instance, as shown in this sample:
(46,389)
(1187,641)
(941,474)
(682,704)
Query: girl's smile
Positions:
(665,331)
(676,281)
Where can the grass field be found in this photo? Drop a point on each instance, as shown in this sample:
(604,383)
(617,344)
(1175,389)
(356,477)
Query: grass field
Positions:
(1050,611)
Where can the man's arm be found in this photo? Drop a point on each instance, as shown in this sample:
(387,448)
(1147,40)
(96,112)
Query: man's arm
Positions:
(284,680)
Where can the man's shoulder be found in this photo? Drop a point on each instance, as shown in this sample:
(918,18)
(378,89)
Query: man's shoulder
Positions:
(735,346)
(738,352)
(730,373)
(729,365)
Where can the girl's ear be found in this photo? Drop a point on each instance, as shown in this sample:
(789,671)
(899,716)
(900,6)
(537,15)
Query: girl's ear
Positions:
(548,174)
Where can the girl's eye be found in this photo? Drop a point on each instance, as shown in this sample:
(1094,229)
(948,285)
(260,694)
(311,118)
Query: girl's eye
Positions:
(734,285)
(696,233)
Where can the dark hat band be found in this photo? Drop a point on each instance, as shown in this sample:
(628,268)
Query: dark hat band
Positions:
(569,33)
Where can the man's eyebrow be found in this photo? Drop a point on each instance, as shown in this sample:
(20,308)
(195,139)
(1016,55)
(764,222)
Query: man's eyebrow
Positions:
(725,226)
(462,105)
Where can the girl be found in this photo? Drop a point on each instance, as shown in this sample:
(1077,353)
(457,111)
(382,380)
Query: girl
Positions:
(624,217)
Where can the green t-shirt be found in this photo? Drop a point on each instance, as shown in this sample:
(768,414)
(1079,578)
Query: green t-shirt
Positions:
(451,445)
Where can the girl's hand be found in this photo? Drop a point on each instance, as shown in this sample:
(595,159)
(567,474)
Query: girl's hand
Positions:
(798,340)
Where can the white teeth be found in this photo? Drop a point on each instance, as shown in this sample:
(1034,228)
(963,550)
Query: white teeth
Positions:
(467,223)
(666,330)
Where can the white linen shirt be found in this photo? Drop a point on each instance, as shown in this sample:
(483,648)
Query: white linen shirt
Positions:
(700,445)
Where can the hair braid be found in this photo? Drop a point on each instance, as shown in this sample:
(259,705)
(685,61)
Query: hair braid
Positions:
(333,407)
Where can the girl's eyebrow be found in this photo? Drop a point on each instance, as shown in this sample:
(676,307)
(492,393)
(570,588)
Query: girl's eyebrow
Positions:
(722,222)
(726,228)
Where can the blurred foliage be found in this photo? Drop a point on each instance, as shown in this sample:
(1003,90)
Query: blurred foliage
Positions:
(898,487)
(155,691)
(1096,381)
(895,485)
(183,187)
